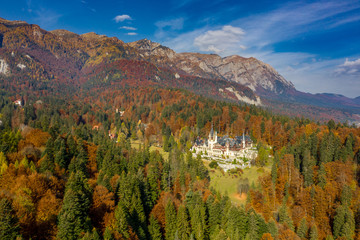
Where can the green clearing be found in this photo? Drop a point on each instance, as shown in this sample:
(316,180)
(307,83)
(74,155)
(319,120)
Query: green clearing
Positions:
(137,143)
(226,183)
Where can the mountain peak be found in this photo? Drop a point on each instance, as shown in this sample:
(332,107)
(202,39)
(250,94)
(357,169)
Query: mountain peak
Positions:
(12,22)
(64,33)
(92,36)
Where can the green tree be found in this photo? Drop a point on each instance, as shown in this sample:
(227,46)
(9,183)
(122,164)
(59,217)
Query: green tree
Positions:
(314,233)
(122,222)
(253,226)
(183,227)
(154,229)
(9,227)
(107,234)
(73,217)
(307,168)
(273,229)
(344,223)
(302,229)
(170,221)
(285,218)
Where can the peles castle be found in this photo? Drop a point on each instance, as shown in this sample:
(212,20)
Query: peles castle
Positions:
(228,152)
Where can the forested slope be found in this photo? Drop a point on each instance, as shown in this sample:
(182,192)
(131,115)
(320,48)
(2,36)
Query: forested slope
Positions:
(63,177)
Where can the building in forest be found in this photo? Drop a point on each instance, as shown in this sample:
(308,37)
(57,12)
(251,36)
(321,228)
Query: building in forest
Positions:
(238,151)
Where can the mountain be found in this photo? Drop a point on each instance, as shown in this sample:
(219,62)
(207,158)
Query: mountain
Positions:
(35,60)
(274,90)
(249,72)
(357,100)
(61,59)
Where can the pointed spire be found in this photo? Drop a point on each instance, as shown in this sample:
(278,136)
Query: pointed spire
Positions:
(243,139)
(212,130)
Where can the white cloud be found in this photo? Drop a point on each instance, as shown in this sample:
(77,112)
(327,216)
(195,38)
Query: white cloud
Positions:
(173,24)
(307,71)
(349,68)
(227,39)
(128,28)
(166,28)
(131,33)
(121,18)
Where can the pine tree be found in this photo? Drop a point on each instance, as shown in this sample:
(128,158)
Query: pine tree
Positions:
(346,195)
(154,229)
(73,217)
(9,227)
(314,233)
(183,226)
(3,163)
(61,156)
(322,176)
(307,168)
(302,229)
(122,224)
(107,234)
(344,223)
(285,218)
(214,213)
(253,227)
(273,229)
(137,218)
(170,221)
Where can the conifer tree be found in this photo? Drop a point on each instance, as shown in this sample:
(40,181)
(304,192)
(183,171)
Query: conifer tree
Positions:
(307,168)
(253,226)
(170,221)
(314,233)
(107,234)
(273,229)
(73,217)
(285,218)
(122,224)
(302,229)
(344,223)
(214,213)
(322,176)
(183,228)
(3,163)
(154,229)
(9,227)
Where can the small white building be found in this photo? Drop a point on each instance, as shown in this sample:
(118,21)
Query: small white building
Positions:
(18,102)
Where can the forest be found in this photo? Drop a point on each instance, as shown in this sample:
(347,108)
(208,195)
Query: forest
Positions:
(63,177)
(79,125)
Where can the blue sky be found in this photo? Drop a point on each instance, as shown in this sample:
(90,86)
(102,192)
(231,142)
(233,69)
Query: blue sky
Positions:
(314,44)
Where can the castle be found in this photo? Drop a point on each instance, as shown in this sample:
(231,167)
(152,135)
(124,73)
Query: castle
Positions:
(239,150)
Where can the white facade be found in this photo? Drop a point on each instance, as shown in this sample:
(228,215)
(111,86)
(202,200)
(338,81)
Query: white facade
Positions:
(239,155)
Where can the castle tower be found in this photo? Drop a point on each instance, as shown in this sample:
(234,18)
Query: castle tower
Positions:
(244,145)
(212,138)
(227,147)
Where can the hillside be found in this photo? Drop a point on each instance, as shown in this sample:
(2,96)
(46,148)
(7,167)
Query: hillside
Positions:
(37,61)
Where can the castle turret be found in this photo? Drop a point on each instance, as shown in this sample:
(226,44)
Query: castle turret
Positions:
(212,138)
(243,141)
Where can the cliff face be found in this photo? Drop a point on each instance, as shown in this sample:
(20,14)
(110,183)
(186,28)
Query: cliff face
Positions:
(249,72)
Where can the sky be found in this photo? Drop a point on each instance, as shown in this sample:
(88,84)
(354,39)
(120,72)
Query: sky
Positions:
(313,44)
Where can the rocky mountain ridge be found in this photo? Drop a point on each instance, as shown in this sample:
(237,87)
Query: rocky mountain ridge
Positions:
(38,60)
(249,72)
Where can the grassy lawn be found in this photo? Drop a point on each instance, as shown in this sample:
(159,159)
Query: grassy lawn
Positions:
(137,143)
(227,183)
